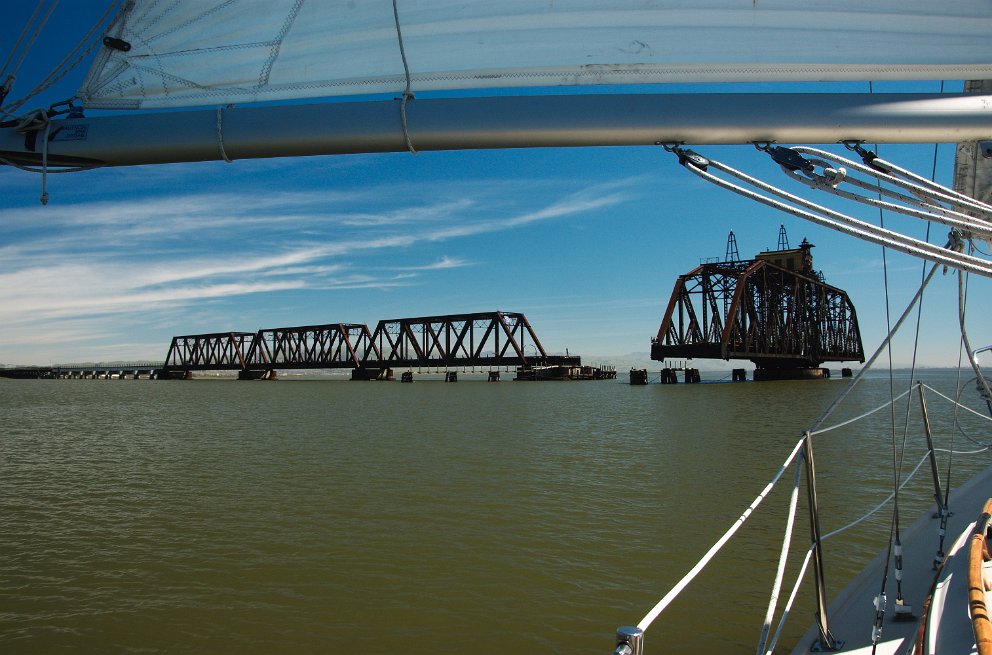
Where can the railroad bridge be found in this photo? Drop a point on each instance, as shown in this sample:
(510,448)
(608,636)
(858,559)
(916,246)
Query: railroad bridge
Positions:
(774,310)
(493,339)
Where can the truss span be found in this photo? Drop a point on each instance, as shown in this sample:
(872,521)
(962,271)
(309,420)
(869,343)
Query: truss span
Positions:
(480,339)
(762,311)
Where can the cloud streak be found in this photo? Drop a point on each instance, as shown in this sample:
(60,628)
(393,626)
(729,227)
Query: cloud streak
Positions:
(84,264)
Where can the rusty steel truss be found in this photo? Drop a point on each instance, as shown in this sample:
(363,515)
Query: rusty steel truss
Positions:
(757,310)
(220,351)
(336,345)
(480,339)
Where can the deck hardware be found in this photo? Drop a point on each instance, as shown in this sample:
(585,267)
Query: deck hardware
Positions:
(630,641)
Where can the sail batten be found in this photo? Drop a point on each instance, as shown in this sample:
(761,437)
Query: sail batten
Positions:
(209,52)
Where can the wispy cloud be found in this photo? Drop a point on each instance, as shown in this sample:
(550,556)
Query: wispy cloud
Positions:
(68,269)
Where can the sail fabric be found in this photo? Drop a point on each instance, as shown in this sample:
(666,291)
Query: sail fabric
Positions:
(213,52)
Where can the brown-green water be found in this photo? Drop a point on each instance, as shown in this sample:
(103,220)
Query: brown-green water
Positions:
(329,516)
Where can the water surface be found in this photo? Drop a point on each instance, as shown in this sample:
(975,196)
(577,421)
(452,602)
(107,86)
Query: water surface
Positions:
(329,516)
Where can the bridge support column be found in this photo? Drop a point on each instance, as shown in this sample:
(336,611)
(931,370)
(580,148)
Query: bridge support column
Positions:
(253,374)
(361,374)
(765,374)
(638,376)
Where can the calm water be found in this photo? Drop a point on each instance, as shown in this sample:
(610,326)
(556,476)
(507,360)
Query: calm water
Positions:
(331,516)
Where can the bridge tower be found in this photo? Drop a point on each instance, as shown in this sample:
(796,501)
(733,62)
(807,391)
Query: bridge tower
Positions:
(775,310)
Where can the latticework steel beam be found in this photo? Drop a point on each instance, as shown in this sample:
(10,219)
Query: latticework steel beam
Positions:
(756,310)
(209,352)
(334,345)
(481,339)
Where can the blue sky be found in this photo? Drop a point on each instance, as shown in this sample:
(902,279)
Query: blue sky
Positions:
(586,241)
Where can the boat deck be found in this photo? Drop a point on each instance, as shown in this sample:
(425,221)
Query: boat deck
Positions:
(851,615)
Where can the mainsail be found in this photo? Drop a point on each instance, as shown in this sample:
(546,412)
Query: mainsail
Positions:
(216,52)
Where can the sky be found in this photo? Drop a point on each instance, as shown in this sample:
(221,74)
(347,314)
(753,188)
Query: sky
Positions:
(587,242)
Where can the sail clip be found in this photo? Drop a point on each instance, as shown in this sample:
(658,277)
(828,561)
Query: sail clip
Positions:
(116,44)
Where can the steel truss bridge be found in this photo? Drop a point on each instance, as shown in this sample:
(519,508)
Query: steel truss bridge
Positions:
(757,310)
(491,339)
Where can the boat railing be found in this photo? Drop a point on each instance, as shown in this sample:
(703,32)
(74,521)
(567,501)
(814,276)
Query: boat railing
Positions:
(630,639)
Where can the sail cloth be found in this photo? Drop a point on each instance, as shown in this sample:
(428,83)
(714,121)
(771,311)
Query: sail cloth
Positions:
(211,52)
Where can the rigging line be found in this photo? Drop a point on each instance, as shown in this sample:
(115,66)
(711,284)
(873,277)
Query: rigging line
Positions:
(948,194)
(407,92)
(882,504)
(847,225)
(63,68)
(8,80)
(34,37)
(857,378)
(788,604)
(35,169)
(894,541)
(929,212)
(957,403)
(809,553)
(782,560)
(220,134)
(926,193)
(868,413)
(720,543)
(962,304)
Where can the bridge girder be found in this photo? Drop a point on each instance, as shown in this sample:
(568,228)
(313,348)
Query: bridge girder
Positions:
(479,339)
(756,310)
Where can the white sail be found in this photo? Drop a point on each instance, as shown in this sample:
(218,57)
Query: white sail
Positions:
(211,52)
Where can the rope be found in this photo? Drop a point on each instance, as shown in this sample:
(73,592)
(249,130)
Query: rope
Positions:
(955,402)
(64,67)
(8,78)
(920,187)
(792,599)
(895,542)
(868,413)
(928,212)
(857,378)
(34,37)
(962,303)
(715,548)
(407,92)
(882,504)
(841,222)
(220,134)
(782,558)
(35,169)
(44,163)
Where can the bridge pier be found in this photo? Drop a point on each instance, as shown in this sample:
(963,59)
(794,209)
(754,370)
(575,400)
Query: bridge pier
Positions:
(765,374)
(638,376)
(362,374)
(171,374)
(254,374)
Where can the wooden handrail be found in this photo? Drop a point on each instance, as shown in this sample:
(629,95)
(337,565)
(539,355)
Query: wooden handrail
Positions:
(977,555)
